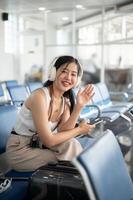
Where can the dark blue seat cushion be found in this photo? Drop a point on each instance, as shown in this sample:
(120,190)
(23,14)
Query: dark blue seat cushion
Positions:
(19,186)
(17,190)
(7,119)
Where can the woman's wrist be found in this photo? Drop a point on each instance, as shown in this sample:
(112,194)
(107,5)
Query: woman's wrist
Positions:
(79,107)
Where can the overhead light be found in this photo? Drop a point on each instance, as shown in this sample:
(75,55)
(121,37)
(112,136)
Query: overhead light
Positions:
(79,6)
(41,8)
(65,18)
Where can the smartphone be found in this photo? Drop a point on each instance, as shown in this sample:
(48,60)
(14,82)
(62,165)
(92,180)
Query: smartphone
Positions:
(95,121)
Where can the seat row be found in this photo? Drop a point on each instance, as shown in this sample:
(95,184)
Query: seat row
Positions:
(14,93)
(101,106)
(110,110)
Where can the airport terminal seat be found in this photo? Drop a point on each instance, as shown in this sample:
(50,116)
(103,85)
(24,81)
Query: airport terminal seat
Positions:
(19,183)
(3,98)
(121,107)
(1,95)
(7,119)
(17,190)
(34,85)
(108,111)
(113,116)
(1,91)
(18,94)
(108,114)
(104,170)
(10,83)
(102,98)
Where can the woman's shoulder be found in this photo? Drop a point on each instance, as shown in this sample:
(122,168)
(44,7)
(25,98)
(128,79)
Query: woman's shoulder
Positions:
(38,97)
(41,91)
(41,94)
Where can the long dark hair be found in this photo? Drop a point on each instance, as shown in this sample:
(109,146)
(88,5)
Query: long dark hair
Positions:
(58,63)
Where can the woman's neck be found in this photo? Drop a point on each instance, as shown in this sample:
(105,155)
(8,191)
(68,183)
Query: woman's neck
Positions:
(55,92)
(56,102)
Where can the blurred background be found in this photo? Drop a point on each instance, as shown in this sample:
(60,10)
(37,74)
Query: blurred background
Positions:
(99,33)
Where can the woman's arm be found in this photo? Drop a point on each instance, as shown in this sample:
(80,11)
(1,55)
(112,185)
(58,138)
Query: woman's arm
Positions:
(37,104)
(69,121)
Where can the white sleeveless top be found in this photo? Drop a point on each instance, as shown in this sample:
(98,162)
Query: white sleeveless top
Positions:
(24,124)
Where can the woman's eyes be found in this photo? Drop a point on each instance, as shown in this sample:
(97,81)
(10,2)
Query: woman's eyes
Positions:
(72,74)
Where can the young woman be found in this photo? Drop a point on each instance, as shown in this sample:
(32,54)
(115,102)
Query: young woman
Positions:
(51,114)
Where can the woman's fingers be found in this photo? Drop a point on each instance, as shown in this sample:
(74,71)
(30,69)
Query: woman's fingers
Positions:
(85,95)
(86,127)
(89,91)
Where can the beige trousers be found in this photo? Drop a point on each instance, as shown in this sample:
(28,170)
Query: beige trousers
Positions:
(24,158)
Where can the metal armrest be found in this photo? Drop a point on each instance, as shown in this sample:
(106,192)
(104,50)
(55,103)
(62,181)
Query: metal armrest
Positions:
(98,110)
(98,114)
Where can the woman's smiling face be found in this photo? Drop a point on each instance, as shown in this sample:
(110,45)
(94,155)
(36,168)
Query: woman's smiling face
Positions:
(67,76)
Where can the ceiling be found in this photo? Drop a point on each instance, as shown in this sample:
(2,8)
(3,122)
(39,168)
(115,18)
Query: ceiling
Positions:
(58,8)
(21,6)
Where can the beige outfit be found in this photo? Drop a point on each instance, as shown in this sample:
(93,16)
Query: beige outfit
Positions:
(22,157)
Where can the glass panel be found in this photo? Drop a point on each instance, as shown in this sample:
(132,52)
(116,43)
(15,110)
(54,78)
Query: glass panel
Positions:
(129,25)
(59,28)
(88,28)
(90,34)
(113,29)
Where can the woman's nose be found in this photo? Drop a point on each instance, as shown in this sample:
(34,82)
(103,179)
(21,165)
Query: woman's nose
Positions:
(68,76)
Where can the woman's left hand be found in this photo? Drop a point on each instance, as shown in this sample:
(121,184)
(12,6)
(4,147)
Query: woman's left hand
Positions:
(85,95)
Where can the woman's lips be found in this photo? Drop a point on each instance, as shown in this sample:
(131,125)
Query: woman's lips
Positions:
(66,83)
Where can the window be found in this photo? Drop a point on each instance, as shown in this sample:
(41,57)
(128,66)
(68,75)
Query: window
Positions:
(89,34)
(12,37)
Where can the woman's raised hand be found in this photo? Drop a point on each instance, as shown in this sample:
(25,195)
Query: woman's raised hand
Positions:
(85,95)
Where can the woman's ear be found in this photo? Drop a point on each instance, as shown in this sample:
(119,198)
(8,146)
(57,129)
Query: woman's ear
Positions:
(52,74)
(52,70)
